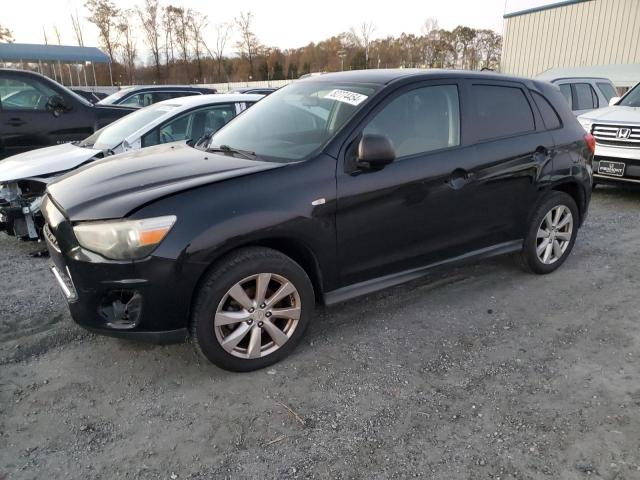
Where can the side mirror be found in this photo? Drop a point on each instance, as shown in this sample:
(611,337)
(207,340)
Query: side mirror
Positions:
(56,105)
(375,152)
(614,100)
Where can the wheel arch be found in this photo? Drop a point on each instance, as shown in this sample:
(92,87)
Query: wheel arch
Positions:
(575,191)
(295,249)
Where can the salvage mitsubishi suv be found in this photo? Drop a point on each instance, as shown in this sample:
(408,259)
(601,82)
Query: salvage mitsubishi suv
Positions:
(332,187)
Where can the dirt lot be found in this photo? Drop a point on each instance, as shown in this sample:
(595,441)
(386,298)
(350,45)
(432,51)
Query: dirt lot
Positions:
(483,373)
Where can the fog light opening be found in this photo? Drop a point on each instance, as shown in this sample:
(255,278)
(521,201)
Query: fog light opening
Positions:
(121,309)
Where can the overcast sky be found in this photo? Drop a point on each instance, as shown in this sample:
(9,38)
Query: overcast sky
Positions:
(281,23)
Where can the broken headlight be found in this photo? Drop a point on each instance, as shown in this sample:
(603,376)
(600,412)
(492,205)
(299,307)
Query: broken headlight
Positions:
(124,239)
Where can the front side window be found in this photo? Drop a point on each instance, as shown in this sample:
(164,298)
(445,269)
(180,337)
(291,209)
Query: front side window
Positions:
(607,90)
(26,94)
(112,135)
(632,98)
(501,111)
(296,121)
(191,126)
(586,98)
(421,120)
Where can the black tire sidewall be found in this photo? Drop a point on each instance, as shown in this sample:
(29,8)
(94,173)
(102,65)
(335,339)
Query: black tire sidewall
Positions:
(530,257)
(218,283)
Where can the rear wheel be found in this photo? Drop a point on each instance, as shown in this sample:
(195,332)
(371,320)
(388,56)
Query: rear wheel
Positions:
(252,310)
(552,233)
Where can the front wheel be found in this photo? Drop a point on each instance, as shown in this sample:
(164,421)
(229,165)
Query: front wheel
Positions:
(552,233)
(252,310)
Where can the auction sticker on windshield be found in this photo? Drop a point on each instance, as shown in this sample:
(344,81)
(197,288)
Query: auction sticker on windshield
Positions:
(345,96)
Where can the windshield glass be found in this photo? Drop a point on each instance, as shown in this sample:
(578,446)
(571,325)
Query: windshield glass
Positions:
(114,97)
(112,135)
(631,99)
(294,122)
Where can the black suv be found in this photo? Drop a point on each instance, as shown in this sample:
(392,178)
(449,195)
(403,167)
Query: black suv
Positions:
(329,188)
(37,112)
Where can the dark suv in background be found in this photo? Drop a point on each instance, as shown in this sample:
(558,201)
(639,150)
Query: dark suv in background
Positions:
(37,112)
(143,96)
(329,188)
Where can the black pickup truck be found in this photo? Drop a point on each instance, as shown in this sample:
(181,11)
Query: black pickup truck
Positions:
(37,112)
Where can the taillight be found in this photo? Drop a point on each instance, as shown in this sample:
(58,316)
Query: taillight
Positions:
(591,142)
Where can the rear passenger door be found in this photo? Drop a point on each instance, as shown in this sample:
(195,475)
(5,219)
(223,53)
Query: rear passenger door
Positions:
(514,150)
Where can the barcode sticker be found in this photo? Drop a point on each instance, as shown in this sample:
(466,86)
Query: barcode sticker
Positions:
(345,96)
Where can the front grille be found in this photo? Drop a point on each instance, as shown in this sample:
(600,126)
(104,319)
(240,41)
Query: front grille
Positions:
(617,135)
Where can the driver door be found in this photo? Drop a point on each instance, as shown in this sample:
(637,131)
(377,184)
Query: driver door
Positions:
(25,122)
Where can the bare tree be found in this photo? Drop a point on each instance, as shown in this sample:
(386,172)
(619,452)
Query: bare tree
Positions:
(44,35)
(196,25)
(223,32)
(5,35)
(248,45)
(149,17)
(104,14)
(127,46)
(362,37)
(77,28)
(167,24)
(429,25)
(180,27)
(56,32)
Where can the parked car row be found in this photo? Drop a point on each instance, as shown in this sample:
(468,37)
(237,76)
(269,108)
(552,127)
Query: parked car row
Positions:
(332,187)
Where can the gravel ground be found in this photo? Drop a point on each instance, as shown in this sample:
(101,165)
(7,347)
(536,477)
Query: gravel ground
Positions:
(484,372)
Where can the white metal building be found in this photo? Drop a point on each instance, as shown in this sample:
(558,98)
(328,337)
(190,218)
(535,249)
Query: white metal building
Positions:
(572,33)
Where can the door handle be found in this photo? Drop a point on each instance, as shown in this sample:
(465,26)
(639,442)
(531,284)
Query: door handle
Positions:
(460,177)
(16,122)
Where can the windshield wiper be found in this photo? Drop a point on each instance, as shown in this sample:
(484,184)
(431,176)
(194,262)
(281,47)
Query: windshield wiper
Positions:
(237,151)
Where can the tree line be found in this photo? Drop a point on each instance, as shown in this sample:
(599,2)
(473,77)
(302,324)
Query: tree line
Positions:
(182,46)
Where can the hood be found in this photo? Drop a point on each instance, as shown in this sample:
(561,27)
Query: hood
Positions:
(44,161)
(614,114)
(114,186)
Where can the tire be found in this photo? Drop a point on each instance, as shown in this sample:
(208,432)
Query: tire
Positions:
(555,202)
(593,186)
(215,304)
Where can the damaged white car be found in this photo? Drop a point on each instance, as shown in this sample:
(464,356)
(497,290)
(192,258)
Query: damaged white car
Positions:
(24,177)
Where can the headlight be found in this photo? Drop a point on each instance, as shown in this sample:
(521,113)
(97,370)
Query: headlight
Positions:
(124,239)
(586,124)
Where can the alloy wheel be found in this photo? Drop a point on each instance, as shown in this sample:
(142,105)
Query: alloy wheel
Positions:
(554,234)
(257,315)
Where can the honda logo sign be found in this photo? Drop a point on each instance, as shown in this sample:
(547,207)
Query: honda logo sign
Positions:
(623,133)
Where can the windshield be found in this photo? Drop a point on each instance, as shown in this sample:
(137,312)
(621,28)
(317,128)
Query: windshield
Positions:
(114,97)
(294,122)
(631,99)
(112,135)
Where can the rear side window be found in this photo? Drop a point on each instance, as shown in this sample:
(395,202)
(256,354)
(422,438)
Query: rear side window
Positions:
(585,97)
(565,89)
(607,90)
(549,116)
(501,111)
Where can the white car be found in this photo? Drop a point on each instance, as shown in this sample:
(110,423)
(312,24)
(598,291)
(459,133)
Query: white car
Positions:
(24,177)
(617,133)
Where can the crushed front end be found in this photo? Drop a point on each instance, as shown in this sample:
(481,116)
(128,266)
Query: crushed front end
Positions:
(20,208)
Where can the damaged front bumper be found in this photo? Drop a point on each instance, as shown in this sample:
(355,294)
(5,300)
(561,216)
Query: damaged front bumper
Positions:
(20,214)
